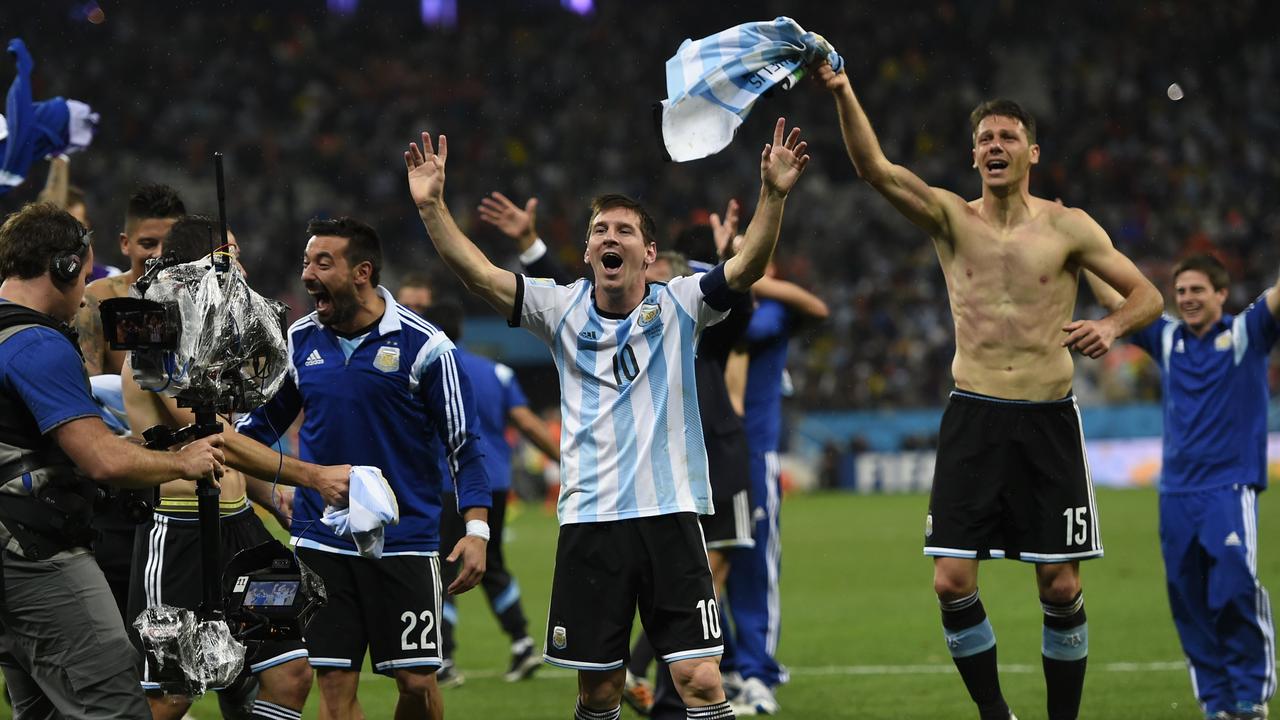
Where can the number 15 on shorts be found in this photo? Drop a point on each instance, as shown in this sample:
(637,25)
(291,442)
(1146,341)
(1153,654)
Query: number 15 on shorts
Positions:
(1077,525)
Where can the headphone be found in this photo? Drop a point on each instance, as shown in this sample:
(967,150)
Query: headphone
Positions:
(66,266)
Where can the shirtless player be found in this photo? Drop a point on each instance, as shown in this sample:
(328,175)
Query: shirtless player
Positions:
(1011,479)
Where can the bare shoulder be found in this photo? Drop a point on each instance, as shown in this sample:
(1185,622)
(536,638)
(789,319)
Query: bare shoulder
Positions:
(1070,221)
(108,287)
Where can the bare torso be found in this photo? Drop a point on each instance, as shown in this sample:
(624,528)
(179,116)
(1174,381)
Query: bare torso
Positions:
(147,409)
(99,357)
(1012,289)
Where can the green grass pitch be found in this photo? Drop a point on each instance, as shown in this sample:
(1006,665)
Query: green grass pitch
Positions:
(860,630)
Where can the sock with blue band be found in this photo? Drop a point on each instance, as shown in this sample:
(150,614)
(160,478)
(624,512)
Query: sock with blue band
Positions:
(272,711)
(972,644)
(1065,653)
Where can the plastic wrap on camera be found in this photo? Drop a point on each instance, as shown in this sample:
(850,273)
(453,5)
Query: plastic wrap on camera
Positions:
(210,657)
(161,628)
(203,652)
(231,343)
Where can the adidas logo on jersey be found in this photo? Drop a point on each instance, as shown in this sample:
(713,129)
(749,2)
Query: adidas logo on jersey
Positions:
(1233,540)
(314,359)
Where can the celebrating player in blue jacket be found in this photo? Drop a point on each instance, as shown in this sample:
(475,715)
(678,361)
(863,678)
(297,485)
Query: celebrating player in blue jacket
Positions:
(378,386)
(1213,368)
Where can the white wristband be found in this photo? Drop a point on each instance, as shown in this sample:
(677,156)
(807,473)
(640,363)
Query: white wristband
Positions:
(533,253)
(478,528)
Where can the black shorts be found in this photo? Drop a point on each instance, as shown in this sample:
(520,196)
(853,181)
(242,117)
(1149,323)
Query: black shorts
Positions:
(728,465)
(167,570)
(604,570)
(390,606)
(1012,481)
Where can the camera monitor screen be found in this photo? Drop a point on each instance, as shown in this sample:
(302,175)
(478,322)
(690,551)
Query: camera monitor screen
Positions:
(133,324)
(270,593)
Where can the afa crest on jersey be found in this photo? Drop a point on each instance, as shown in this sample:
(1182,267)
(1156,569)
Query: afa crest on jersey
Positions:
(559,638)
(648,312)
(1222,342)
(388,359)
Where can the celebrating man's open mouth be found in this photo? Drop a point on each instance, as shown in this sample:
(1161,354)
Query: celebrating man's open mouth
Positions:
(611,261)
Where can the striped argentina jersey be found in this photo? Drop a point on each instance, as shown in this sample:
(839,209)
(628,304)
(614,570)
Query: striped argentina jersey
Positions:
(631,437)
(394,398)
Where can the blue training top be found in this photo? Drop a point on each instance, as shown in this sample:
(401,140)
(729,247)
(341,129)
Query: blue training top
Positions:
(395,398)
(496,392)
(767,336)
(1214,393)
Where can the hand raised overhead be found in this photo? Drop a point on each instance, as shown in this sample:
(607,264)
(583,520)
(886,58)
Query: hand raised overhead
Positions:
(517,224)
(426,170)
(784,160)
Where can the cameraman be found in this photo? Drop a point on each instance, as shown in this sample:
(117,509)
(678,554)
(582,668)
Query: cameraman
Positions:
(67,651)
(166,560)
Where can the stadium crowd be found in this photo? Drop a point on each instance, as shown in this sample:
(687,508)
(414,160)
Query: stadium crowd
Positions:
(550,104)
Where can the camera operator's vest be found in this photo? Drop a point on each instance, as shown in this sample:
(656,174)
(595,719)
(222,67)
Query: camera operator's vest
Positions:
(45,504)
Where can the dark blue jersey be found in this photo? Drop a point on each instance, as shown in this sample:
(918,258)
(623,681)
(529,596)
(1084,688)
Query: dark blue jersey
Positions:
(496,392)
(1215,398)
(395,398)
(767,337)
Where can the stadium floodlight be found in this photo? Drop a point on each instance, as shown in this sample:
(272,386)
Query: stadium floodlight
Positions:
(581,7)
(439,13)
(343,7)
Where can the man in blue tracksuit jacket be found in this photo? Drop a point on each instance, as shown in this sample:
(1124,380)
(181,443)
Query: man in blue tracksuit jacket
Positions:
(1214,381)
(377,385)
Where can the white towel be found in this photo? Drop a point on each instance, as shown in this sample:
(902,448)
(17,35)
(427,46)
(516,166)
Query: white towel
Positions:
(372,507)
(713,82)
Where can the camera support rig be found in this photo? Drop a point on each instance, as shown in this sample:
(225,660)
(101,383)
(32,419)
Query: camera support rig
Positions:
(161,437)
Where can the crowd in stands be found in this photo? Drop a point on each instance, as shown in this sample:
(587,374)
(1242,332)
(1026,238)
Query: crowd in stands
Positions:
(312,110)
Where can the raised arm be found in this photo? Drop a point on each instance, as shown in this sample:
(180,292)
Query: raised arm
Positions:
(921,204)
(58,184)
(426,185)
(1141,303)
(535,430)
(781,164)
(791,295)
(521,226)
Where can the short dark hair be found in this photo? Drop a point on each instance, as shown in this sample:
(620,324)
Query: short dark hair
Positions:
(446,315)
(31,237)
(154,201)
(1004,108)
(608,201)
(190,238)
(1207,264)
(363,244)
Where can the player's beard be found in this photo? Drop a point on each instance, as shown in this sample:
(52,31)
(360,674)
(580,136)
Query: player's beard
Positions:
(343,303)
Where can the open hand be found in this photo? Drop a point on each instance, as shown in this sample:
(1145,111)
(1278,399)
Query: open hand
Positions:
(784,160)
(517,224)
(426,170)
(469,553)
(1092,338)
(724,230)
